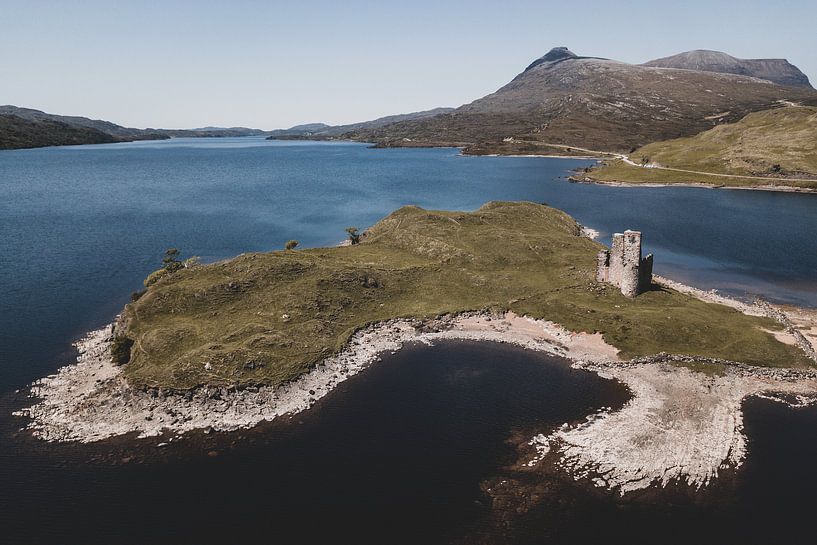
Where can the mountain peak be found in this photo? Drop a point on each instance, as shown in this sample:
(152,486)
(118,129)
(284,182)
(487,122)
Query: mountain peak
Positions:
(556,54)
(778,71)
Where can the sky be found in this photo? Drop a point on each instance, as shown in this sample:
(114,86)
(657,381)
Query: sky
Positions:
(274,64)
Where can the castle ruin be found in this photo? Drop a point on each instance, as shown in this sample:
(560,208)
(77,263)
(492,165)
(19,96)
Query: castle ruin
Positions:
(623,266)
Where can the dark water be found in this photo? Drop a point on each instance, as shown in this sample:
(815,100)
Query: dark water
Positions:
(399,454)
(394,455)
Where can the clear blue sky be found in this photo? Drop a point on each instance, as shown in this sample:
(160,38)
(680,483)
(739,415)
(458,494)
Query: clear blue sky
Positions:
(277,63)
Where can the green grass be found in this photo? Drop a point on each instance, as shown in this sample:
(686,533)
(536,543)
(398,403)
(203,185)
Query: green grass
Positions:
(775,145)
(618,171)
(523,257)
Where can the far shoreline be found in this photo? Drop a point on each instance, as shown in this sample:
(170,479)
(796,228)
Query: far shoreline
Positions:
(697,185)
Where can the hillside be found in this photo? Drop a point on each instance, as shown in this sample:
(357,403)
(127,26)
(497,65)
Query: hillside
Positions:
(209,132)
(266,318)
(31,128)
(35,128)
(324,131)
(18,133)
(112,129)
(595,103)
(774,146)
(779,143)
(779,71)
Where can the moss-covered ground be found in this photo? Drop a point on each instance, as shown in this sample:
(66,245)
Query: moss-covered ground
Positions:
(265,318)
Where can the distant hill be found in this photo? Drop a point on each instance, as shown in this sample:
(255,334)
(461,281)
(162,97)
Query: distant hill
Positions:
(322,130)
(18,133)
(778,71)
(29,128)
(776,143)
(209,132)
(34,128)
(562,98)
(306,129)
(117,131)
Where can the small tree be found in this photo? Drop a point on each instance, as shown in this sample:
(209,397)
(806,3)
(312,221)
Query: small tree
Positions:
(645,161)
(354,235)
(170,263)
(291,244)
(171,260)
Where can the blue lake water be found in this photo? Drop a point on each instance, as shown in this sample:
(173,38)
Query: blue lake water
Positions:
(80,227)
(399,451)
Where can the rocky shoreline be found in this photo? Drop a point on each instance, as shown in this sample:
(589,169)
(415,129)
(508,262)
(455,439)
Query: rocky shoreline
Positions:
(91,400)
(680,425)
(699,185)
(683,423)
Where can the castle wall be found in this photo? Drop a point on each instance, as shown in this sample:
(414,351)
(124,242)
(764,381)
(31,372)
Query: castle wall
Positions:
(616,261)
(630,263)
(623,265)
(645,274)
(603,266)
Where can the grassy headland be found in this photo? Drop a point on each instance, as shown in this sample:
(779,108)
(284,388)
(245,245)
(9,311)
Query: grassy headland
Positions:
(265,318)
(775,147)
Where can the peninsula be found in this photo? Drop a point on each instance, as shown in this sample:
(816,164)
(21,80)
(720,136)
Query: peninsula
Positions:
(230,344)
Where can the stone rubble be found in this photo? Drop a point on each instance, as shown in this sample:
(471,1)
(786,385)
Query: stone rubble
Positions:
(680,425)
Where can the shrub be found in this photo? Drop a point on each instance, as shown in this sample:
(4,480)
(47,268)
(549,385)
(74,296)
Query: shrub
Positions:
(134,296)
(354,235)
(120,349)
(155,276)
(171,264)
(171,260)
(291,244)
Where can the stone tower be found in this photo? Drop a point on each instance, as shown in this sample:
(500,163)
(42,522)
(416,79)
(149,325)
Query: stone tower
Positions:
(623,266)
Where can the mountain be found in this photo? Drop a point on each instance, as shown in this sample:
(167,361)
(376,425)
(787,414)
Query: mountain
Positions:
(778,71)
(322,130)
(568,100)
(18,133)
